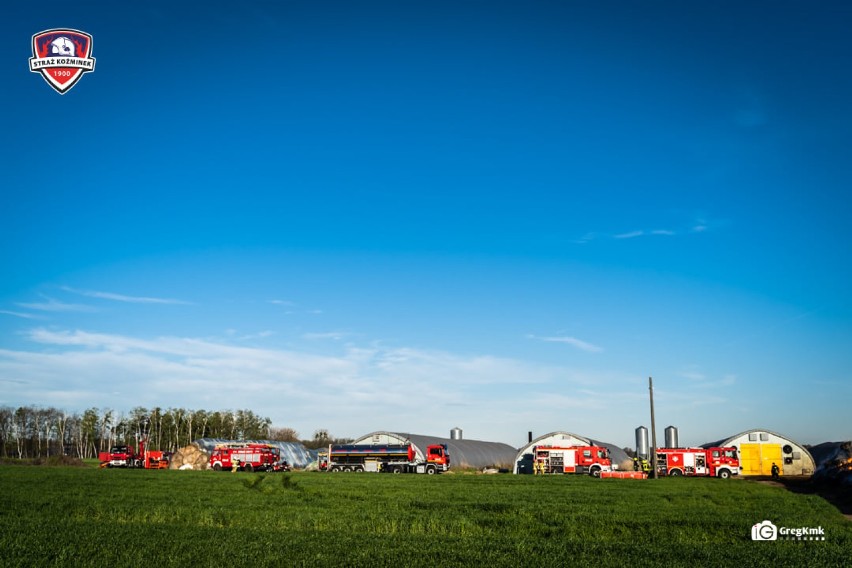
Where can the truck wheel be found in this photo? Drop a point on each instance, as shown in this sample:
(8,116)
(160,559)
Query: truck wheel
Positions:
(675,473)
(595,472)
(347,469)
(431,470)
(358,469)
(724,474)
(335,469)
(217,466)
(248,468)
(396,470)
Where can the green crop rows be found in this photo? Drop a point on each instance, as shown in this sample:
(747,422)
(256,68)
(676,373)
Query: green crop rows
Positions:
(98,517)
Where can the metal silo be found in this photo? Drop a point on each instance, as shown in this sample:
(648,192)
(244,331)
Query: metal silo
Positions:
(642,449)
(456,434)
(671,437)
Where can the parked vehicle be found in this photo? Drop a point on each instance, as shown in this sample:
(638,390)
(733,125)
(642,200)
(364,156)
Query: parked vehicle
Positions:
(388,458)
(590,460)
(126,456)
(247,457)
(698,462)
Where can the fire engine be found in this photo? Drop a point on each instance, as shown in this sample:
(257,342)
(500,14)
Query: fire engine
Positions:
(126,456)
(388,458)
(252,457)
(709,462)
(572,459)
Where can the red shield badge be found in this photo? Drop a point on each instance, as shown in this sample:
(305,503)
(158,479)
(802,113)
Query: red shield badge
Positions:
(62,56)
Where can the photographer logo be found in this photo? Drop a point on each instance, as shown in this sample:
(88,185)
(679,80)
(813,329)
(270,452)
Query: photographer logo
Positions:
(764,531)
(768,531)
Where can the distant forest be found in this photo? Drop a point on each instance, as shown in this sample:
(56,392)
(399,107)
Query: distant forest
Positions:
(35,432)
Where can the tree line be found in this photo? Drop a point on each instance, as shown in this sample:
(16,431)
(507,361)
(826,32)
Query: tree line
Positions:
(35,432)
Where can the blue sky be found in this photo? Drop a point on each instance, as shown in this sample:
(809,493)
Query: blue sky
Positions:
(413,216)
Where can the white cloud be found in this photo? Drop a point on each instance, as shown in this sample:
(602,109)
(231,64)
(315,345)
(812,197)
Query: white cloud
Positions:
(352,391)
(697,379)
(630,235)
(572,341)
(692,373)
(697,226)
(52,305)
(20,314)
(653,233)
(334,335)
(122,297)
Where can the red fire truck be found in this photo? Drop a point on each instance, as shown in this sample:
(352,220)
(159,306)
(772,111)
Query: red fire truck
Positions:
(252,457)
(126,456)
(572,459)
(698,462)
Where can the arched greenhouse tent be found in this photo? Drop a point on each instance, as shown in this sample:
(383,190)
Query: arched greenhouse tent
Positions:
(759,449)
(524,457)
(295,453)
(463,453)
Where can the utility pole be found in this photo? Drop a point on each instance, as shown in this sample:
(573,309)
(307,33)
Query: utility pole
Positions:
(653,431)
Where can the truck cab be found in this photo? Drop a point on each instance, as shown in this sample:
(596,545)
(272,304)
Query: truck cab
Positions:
(438,455)
(121,456)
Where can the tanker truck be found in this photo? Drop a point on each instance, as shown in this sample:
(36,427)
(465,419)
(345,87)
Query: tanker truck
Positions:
(386,458)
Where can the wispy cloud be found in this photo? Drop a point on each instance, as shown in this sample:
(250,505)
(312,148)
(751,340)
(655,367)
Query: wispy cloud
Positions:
(589,237)
(699,225)
(698,379)
(122,297)
(360,389)
(630,235)
(572,341)
(692,373)
(52,305)
(233,333)
(21,314)
(335,335)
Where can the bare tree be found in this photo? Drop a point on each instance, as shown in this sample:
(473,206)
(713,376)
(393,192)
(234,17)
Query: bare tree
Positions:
(283,435)
(7,415)
(61,420)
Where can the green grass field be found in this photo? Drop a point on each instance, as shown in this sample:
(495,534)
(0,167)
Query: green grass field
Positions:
(63,516)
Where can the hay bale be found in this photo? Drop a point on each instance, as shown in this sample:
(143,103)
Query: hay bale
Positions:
(192,456)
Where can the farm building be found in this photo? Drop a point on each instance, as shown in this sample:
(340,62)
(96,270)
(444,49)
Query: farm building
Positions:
(759,449)
(294,452)
(524,457)
(463,453)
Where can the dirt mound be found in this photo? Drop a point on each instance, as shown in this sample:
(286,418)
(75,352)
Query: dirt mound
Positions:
(190,457)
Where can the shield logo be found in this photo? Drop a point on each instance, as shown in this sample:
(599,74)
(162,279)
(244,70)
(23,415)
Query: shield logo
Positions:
(62,56)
